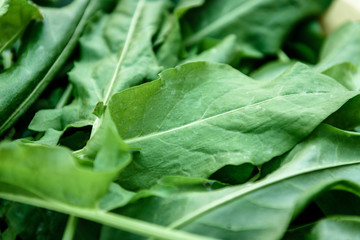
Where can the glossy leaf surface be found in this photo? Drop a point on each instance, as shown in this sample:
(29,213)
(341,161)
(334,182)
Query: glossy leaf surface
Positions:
(201,127)
(41,56)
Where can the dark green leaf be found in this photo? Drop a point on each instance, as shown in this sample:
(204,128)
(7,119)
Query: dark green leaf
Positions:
(46,47)
(15,15)
(260,24)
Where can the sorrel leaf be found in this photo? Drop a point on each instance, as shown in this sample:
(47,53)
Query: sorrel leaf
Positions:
(200,126)
(218,19)
(264,209)
(42,55)
(39,169)
(116,53)
(341,46)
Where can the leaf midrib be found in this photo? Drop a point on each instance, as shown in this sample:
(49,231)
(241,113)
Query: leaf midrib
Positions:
(156,134)
(134,22)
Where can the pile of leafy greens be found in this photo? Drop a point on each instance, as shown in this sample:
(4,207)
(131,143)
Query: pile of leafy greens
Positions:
(178,119)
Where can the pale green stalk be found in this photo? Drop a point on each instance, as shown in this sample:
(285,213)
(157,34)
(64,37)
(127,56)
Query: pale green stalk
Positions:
(70,228)
(110,219)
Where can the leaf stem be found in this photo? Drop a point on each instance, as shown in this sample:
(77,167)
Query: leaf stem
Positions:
(70,228)
(124,51)
(65,97)
(131,31)
(113,220)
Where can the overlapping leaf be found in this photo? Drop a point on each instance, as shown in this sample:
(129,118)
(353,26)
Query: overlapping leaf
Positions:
(201,116)
(55,174)
(41,56)
(116,53)
(264,209)
(259,25)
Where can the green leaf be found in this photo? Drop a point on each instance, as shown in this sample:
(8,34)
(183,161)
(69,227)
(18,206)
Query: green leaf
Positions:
(169,51)
(99,109)
(226,51)
(202,116)
(271,70)
(41,57)
(261,25)
(68,179)
(113,220)
(184,6)
(29,222)
(347,117)
(58,175)
(345,73)
(341,46)
(115,53)
(337,227)
(15,16)
(264,209)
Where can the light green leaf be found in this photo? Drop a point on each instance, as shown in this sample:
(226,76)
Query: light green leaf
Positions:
(271,70)
(102,217)
(78,187)
(41,57)
(264,209)
(59,177)
(347,117)
(337,227)
(226,51)
(15,16)
(202,116)
(341,46)
(259,24)
(116,197)
(345,73)
(116,53)
(184,6)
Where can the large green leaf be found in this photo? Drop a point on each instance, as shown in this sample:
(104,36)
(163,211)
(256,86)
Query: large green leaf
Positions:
(201,116)
(341,46)
(15,15)
(116,53)
(264,209)
(54,178)
(259,24)
(46,47)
